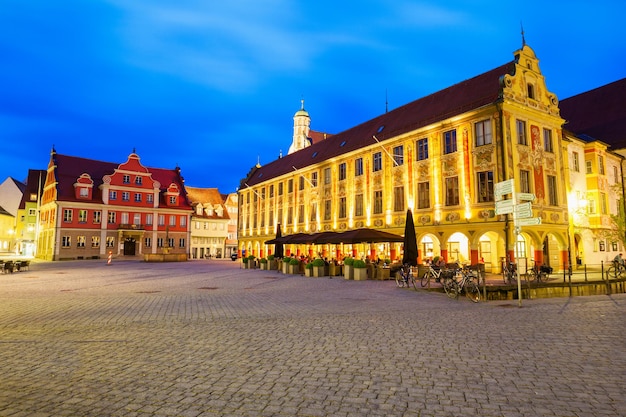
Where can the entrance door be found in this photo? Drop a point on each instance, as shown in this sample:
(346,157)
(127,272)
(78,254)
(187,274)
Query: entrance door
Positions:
(129,246)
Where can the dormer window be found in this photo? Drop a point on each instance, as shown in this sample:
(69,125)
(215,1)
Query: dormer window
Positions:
(83,192)
(199,210)
(172,200)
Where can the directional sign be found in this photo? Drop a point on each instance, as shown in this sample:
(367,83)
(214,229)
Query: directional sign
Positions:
(523,210)
(532,221)
(504,207)
(504,187)
(525,196)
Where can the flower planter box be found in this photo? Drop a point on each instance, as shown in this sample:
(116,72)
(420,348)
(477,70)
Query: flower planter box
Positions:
(293,269)
(348,272)
(264,266)
(319,271)
(308,272)
(334,270)
(360,274)
(272,265)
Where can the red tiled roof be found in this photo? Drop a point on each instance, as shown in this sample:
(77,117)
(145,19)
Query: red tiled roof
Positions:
(316,136)
(599,113)
(69,168)
(457,99)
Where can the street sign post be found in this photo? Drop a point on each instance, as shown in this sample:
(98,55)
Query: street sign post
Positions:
(503,188)
(525,196)
(504,207)
(523,210)
(531,221)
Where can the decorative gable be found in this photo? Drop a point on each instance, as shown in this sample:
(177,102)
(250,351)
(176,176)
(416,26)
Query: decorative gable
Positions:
(172,195)
(83,187)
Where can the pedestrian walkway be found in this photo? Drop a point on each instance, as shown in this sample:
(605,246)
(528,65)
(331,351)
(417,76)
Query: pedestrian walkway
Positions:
(206,338)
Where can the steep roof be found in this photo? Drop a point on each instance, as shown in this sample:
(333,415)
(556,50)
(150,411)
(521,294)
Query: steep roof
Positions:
(207,195)
(599,113)
(69,168)
(34,185)
(467,95)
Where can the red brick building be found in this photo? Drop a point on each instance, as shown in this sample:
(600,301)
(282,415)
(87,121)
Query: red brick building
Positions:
(91,208)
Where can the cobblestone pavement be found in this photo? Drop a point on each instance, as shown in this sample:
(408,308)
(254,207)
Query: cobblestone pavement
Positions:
(206,338)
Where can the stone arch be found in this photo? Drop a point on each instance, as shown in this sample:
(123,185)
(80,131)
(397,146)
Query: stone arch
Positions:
(428,246)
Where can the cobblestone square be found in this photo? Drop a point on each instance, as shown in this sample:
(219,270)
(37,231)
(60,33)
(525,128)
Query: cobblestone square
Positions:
(206,338)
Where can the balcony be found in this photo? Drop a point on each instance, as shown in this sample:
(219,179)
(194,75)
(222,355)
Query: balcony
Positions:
(123,226)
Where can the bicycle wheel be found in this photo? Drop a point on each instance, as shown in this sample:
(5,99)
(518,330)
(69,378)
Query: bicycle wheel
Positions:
(451,287)
(413,281)
(425,278)
(472,291)
(611,272)
(399,279)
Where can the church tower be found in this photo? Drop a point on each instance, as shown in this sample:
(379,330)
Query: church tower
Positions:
(301,127)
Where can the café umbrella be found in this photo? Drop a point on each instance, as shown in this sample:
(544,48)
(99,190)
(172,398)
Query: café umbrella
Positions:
(410,241)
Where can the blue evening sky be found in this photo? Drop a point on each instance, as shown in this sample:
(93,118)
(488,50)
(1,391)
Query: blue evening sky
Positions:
(212,86)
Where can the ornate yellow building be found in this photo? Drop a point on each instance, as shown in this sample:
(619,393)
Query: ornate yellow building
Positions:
(440,156)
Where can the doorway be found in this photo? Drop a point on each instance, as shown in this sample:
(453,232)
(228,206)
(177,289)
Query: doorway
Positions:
(129,246)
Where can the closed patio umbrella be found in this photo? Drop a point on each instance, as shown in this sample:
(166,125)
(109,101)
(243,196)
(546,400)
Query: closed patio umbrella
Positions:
(410,241)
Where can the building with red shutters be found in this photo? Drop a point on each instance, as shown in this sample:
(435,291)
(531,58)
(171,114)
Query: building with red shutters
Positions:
(90,209)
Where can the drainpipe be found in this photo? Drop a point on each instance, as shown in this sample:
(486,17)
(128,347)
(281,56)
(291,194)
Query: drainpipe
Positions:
(504,176)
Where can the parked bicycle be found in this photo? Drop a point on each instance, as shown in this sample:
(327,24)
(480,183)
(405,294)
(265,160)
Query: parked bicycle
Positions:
(432,273)
(462,280)
(616,270)
(539,273)
(509,272)
(405,277)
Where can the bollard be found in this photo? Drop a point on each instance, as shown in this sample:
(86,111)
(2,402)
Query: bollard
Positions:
(110,258)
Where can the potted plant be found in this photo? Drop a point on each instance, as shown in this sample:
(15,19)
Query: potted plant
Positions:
(294,266)
(347,268)
(263,264)
(319,267)
(285,267)
(251,262)
(272,263)
(359,270)
(308,269)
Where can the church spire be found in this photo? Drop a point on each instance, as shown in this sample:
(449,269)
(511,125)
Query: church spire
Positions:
(523,38)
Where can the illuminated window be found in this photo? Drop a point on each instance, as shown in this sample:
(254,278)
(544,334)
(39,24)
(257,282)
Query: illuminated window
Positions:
(552,191)
(95,241)
(452,191)
(377,163)
(80,241)
(342,171)
(521,132)
(313,212)
(358,167)
(422,149)
(575,162)
(313,179)
(342,207)
(524,181)
(483,133)
(398,198)
(301,213)
(358,205)
(326,176)
(547,140)
(97,216)
(398,155)
(449,141)
(378,202)
(423,195)
(327,210)
(485,186)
